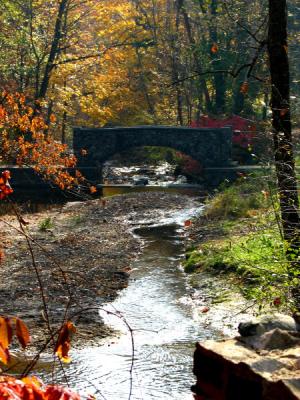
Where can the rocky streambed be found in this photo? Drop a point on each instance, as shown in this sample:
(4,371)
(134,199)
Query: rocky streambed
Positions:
(88,252)
(82,251)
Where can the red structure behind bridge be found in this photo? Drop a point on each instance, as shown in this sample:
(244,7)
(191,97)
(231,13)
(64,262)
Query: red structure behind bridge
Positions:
(243,129)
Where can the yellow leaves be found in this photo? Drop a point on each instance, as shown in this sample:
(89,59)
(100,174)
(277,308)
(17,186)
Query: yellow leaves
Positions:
(63,343)
(46,155)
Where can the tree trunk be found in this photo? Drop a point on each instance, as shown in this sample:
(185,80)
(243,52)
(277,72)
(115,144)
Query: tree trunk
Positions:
(197,61)
(54,51)
(282,130)
(219,78)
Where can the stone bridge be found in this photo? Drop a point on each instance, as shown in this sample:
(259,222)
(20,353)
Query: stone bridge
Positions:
(210,146)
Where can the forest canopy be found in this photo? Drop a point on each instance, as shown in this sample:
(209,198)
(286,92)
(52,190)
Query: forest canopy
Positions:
(127,62)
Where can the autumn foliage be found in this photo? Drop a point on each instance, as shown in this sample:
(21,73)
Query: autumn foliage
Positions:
(63,343)
(24,141)
(5,188)
(29,388)
(33,389)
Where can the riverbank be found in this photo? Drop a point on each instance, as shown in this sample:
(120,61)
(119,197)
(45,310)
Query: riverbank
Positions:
(237,238)
(82,251)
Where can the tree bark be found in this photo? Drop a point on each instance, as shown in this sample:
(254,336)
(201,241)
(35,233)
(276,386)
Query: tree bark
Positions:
(219,78)
(281,121)
(282,132)
(197,61)
(54,50)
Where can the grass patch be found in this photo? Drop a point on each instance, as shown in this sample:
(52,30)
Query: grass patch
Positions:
(46,224)
(238,200)
(250,248)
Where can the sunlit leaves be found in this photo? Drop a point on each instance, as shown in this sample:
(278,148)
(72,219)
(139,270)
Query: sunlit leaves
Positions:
(31,388)
(24,141)
(63,343)
(22,333)
(9,326)
(5,332)
(5,188)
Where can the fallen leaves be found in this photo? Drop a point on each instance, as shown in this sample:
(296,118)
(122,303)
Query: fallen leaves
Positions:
(187,223)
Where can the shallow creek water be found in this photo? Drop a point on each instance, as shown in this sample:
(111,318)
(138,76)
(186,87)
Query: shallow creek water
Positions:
(157,306)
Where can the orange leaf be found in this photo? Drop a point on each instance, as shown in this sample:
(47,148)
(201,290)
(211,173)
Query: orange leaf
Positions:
(5,333)
(32,381)
(22,333)
(244,87)
(4,355)
(63,346)
(214,48)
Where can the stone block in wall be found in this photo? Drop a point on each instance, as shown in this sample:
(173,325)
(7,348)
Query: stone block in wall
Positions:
(229,370)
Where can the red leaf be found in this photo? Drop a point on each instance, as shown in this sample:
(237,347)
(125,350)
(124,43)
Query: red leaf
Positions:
(4,355)
(214,48)
(244,87)
(63,345)
(60,393)
(187,223)
(205,310)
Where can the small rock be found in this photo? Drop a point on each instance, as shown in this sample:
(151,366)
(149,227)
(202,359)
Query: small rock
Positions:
(276,339)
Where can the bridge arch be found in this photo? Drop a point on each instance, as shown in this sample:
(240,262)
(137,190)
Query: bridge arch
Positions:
(210,146)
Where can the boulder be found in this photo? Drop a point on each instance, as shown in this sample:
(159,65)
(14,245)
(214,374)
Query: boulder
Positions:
(230,370)
(265,323)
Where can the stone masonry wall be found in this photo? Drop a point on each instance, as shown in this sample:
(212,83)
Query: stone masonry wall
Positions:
(210,146)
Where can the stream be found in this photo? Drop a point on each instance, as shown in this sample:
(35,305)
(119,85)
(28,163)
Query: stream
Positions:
(157,307)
